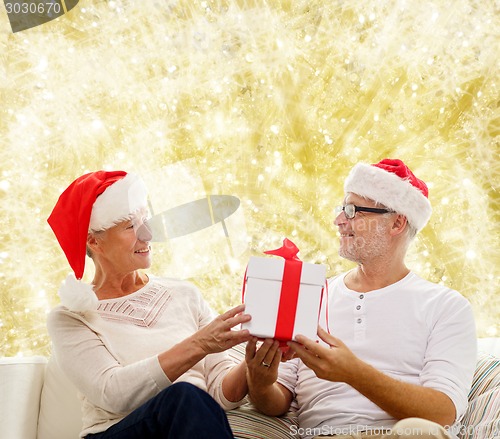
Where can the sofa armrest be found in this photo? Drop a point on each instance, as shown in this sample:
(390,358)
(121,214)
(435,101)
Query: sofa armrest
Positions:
(21,381)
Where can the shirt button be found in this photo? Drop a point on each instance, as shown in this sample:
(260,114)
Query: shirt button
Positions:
(361,296)
(359,320)
(358,307)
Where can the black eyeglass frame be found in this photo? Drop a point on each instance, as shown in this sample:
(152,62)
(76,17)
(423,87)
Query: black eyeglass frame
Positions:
(339,209)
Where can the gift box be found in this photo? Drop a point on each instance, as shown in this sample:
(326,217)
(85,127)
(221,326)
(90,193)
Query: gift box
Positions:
(283,296)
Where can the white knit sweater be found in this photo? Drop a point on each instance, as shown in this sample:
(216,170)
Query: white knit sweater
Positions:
(111,355)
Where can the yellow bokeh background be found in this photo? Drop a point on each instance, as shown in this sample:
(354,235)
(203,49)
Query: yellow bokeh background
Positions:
(270,101)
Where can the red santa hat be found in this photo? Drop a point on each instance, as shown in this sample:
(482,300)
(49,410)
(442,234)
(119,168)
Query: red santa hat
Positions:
(391,183)
(93,202)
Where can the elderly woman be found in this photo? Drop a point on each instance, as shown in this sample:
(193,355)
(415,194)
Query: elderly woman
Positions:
(145,352)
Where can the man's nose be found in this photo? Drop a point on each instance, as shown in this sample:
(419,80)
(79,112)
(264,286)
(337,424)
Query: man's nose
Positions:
(340,219)
(144,232)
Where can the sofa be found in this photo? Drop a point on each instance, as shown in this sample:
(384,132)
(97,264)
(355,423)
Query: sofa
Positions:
(38,402)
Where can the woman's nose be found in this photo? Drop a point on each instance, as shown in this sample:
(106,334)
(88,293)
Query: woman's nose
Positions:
(144,232)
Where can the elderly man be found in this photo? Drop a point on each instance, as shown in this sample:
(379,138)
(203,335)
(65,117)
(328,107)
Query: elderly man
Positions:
(401,354)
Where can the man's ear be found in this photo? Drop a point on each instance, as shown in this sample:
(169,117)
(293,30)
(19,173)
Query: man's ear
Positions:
(399,224)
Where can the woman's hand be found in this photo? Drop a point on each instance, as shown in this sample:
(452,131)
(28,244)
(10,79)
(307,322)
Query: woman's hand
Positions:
(262,363)
(262,372)
(218,335)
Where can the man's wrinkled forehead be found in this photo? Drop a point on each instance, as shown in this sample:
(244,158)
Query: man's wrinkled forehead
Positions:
(352,198)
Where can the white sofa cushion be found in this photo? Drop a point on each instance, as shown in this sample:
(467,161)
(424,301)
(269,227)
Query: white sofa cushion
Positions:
(21,381)
(60,409)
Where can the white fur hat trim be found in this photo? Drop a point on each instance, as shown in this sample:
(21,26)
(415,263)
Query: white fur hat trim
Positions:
(118,202)
(390,190)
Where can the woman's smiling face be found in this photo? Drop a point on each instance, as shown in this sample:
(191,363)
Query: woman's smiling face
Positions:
(125,247)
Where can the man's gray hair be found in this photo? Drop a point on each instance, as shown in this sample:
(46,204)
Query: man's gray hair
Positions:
(411,231)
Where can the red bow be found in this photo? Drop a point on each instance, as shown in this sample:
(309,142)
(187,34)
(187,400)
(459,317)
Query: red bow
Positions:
(288,250)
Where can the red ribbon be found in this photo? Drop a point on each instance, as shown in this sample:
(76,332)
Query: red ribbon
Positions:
(290,286)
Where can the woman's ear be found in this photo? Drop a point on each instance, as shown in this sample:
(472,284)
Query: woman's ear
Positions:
(399,225)
(92,243)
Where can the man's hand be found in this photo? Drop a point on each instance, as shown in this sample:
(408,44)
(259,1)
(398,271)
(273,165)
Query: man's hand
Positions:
(398,398)
(333,363)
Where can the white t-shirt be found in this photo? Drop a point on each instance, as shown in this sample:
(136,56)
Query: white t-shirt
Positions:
(111,355)
(414,330)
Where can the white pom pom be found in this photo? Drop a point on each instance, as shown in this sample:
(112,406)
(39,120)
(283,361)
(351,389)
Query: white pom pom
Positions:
(77,295)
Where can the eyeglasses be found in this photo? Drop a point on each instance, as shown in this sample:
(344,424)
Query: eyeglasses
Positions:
(351,209)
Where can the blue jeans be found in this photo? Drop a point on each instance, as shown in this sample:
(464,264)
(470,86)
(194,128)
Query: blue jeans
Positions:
(177,412)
